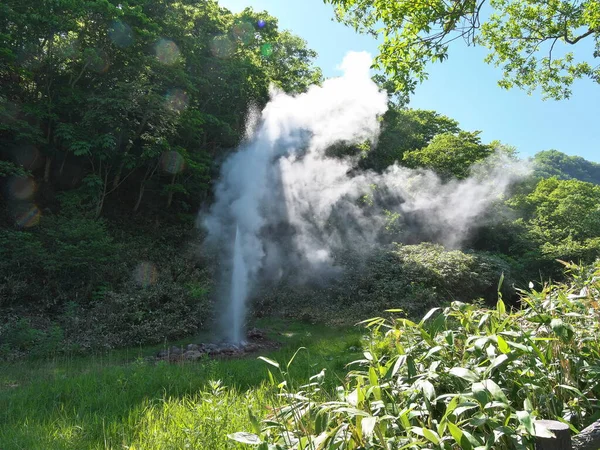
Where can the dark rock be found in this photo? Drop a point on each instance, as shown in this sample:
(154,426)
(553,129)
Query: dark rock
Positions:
(175,350)
(162,354)
(251,347)
(212,349)
(231,351)
(192,355)
(255,334)
(192,347)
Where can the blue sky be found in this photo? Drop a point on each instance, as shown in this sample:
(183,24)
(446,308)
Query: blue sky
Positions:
(464,87)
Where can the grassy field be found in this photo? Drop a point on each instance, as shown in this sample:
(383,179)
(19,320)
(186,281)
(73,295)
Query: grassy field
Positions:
(118,400)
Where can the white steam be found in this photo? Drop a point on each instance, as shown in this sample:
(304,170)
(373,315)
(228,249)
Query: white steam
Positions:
(283,204)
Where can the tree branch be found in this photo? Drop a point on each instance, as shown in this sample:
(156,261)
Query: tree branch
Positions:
(584,35)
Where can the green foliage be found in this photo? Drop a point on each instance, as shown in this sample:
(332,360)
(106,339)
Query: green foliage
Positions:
(65,256)
(199,421)
(450,155)
(562,218)
(403,130)
(463,376)
(111,97)
(413,278)
(552,163)
(102,292)
(19,337)
(528,39)
(9,169)
(138,315)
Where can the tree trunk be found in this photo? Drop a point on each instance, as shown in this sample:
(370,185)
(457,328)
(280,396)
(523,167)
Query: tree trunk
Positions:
(170,196)
(140,196)
(589,438)
(100,204)
(62,166)
(561,439)
(47,168)
(117,178)
(138,133)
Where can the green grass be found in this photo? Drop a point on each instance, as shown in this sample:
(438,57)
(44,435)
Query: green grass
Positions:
(117,400)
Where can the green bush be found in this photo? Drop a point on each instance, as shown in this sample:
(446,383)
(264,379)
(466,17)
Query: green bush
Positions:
(412,277)
(464,376)
(60,260)
(101,287)
(138,315)
(19,336)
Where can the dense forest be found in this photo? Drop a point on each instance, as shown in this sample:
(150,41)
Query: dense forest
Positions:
(124,128)
(116,117)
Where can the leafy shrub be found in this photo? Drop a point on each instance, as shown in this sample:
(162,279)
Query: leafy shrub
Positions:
(561,220)
(75,272)
(62,259)
(412,277)
(139,315)
(19,336)
(464,376)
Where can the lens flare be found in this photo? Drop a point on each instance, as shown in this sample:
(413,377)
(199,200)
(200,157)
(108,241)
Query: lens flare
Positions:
(121,34)
(69,48)
(244,32)
(172,162)
(261,23)
(28,217)
(145,274)
(21,188)
(167,51)
(97,60)
(222,47)
(9,112)
(29,157)
(177,99)
(266,50)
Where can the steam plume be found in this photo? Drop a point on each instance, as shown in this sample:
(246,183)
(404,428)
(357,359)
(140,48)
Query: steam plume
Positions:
(282,203)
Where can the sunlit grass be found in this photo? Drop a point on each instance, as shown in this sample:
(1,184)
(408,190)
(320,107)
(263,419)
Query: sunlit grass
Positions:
(119,400)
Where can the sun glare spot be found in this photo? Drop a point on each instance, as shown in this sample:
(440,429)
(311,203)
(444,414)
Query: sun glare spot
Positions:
(121,34)
(244,32)
(177,99)
(98,61)
(167,51)
(28,217)
(21,188)
(266,50)
(146,274)
(222,47)
(28,157)
(172,162)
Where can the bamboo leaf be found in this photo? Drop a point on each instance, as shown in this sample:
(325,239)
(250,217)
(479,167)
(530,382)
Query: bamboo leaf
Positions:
(525,419)
(269,361)
(245,438)
(465,374)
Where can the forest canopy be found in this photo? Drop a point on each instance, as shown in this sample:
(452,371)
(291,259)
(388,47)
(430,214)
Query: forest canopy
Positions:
(546,45)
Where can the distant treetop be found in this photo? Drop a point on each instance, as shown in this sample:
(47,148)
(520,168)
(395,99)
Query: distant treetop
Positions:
(552,163)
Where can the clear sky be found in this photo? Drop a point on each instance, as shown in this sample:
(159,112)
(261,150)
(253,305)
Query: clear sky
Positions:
(463,87)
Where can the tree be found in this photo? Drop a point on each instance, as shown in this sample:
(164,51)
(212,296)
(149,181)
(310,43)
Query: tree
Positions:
(450,155)
(529,39)
(562,217)
(117,88)
(403,130)
(552,163)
